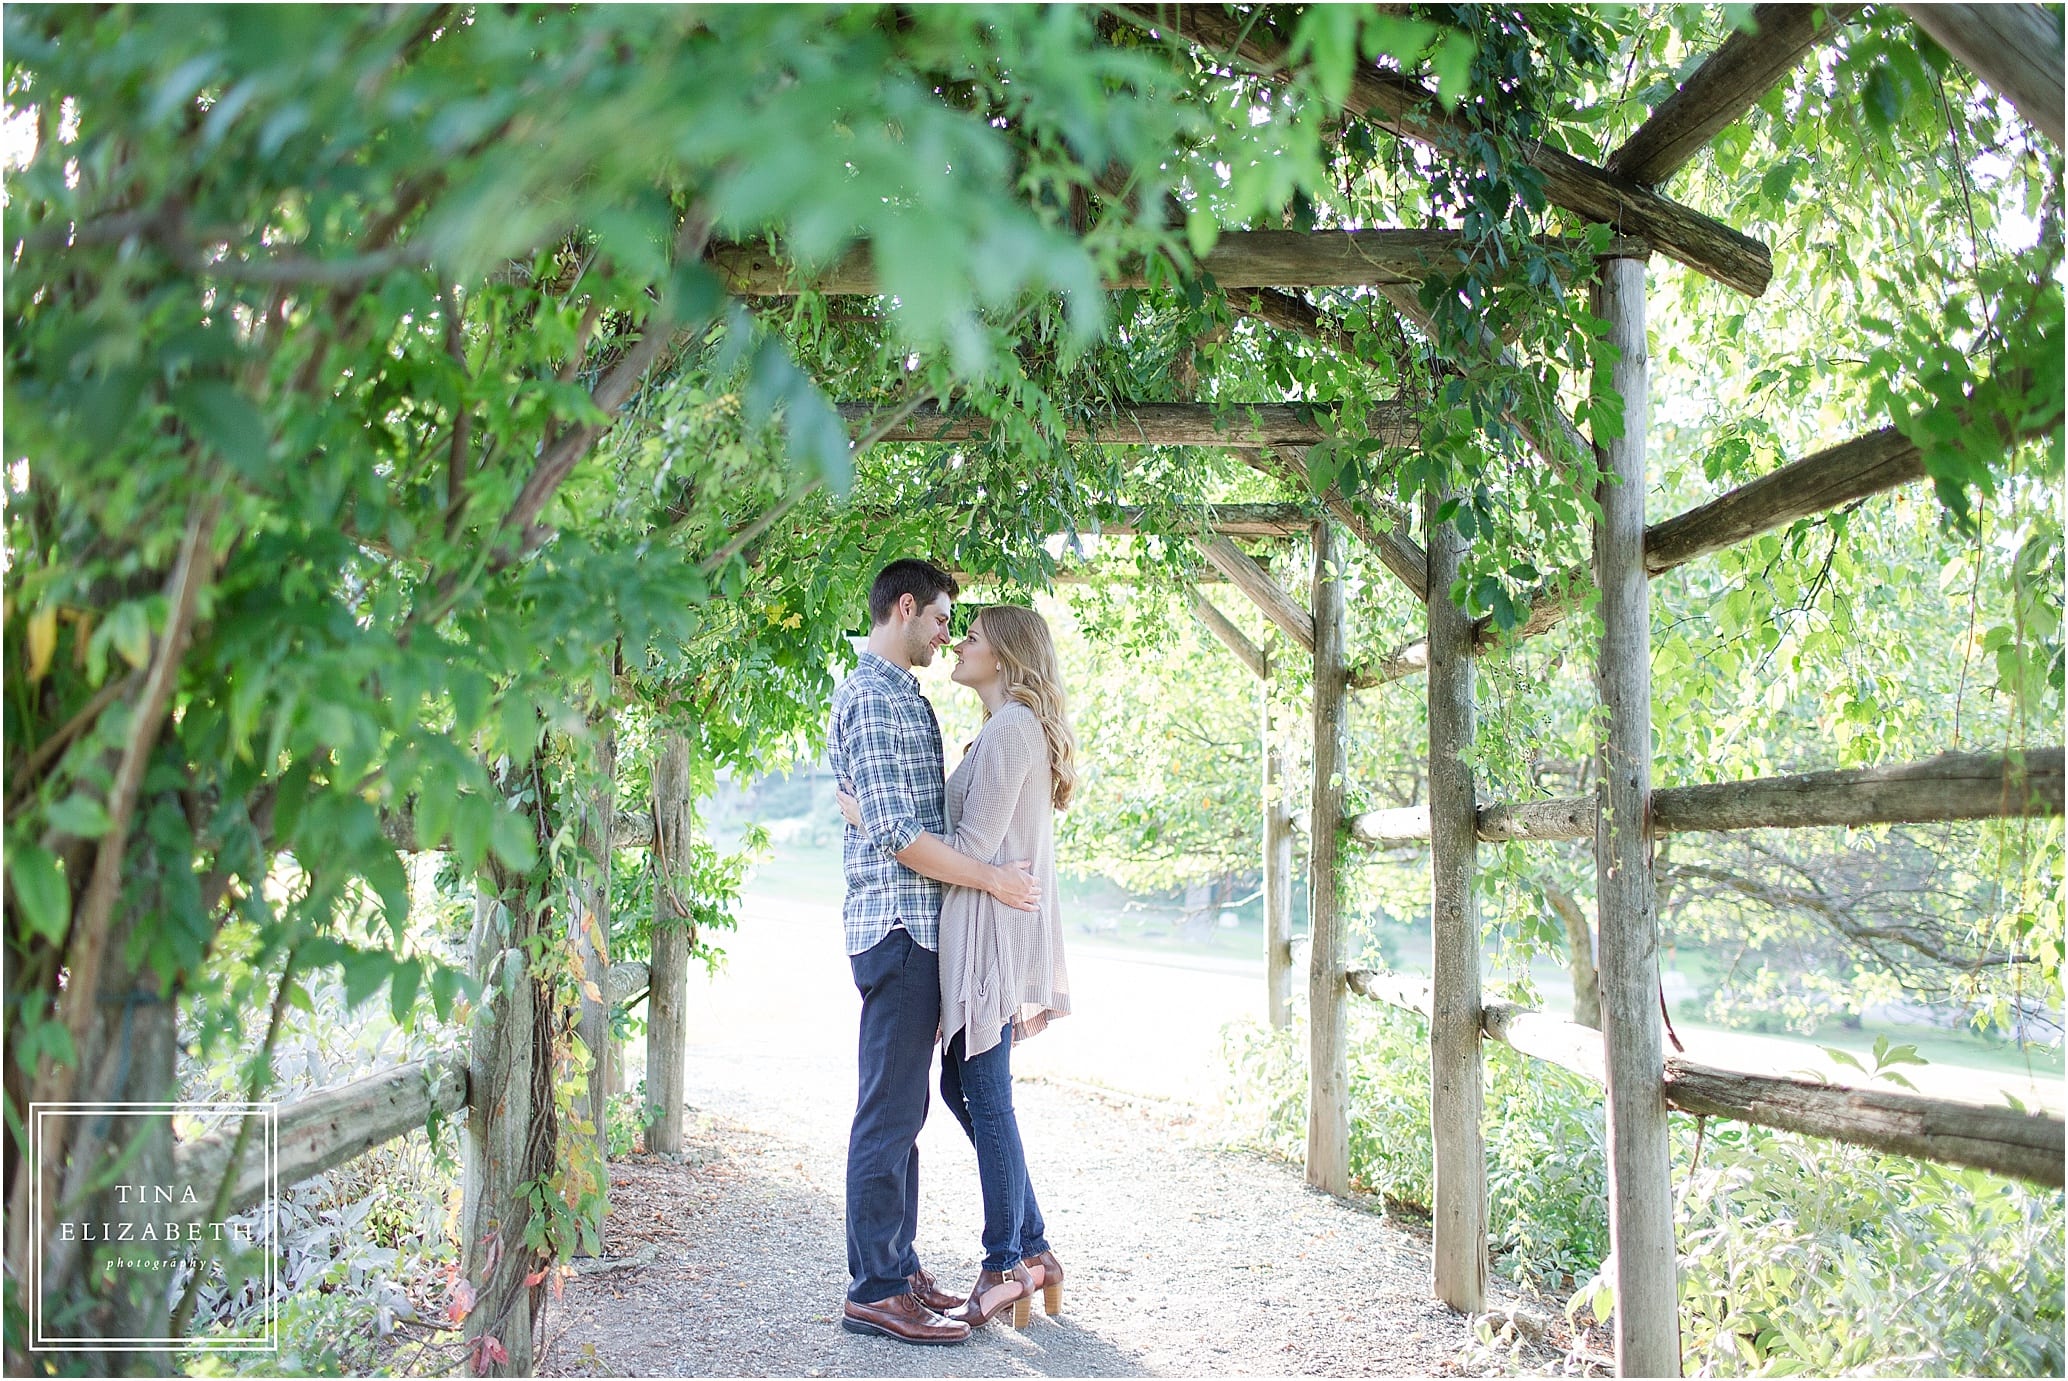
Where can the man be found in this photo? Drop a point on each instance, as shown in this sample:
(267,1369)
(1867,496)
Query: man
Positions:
(885,747)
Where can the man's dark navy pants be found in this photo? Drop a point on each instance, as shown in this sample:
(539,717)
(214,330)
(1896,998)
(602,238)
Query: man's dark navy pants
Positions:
(900,983)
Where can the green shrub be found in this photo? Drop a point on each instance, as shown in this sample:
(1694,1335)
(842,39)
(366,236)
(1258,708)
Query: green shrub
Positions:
(1797,1255)
(1801,1255)
(629,1115)
(1543,1127)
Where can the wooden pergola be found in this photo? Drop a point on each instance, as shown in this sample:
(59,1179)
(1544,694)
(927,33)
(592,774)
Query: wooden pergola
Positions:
(498,1084)
(1623,817)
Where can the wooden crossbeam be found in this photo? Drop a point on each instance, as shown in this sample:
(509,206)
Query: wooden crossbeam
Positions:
(2014,48)
(1072,575)
(1722,89)
(1235,425)
(1856,469)
(1409,109)
(1290,312)
(1239,259)
(1838,475)
(1256,582)
(1232,638)
(1397,551)
(1951,786)
(1225,519)
(2000,1140)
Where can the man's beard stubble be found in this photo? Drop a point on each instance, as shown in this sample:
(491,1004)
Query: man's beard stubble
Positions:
(921,650)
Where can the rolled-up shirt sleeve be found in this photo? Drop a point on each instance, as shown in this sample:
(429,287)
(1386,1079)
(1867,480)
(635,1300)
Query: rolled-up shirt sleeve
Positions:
(882,781)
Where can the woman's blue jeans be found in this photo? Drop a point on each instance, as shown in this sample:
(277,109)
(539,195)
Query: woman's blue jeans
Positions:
(979,1093)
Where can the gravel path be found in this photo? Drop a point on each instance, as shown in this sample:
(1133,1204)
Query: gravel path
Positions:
(1184,1258)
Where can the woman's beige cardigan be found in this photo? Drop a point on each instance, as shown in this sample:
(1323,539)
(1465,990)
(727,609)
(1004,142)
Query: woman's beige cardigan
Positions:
(999,965)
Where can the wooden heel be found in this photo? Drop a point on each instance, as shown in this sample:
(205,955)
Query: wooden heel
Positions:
(1022,1311)
(1052,1299)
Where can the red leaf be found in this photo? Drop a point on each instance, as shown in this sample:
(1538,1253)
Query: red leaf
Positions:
(535,1277)
(495,1349)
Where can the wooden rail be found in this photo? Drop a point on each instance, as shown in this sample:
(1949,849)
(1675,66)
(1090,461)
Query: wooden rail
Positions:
(1952,786)
(324,1130)
(2003,1141)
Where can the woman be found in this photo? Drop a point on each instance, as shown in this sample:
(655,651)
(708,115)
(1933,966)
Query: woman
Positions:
(1002,976)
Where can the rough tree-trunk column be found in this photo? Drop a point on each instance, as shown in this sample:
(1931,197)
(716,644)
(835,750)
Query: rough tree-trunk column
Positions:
(131,1055)
(1640,1171)
(1456,1097)
(509,1082)
(1328,1071)
(1579,942)
(668,977)
(591,924)
(1278,857)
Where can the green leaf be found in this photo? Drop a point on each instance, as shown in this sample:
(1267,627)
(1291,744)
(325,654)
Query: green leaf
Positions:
(1886,1054)
(1324,463)
(80,815)
(222,417)
(1778,180)
(510,838)
(390,881)
(1453,64)
(128,630)
(472,820)
(446,983)
(364,971)
(39,889)
(1842,1057)
(402,989)
(817,437)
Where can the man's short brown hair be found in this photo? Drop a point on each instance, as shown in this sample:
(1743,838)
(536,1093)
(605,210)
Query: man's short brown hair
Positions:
(922,580)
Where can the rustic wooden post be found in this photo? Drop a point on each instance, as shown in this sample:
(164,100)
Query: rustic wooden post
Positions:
(591,926)
(1278,861)
(1328,1072)
(1640,1170)
(673,934)
(509,1081)
(130,1057)
(1456,1098)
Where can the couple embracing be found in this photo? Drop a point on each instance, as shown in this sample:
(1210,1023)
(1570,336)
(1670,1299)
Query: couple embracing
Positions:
(954,937)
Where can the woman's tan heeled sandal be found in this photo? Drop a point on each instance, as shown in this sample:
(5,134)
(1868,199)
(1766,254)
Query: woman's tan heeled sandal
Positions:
(993,1291)
(1048,1275)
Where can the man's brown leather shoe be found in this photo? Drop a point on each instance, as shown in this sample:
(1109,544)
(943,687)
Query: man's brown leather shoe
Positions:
(931,1294)
(904,1318)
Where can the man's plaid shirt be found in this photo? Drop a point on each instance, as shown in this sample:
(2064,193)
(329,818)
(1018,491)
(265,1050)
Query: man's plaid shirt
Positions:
(885,747)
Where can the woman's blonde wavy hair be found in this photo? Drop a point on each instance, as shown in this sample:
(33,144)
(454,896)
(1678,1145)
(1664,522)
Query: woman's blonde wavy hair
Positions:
(1027,655)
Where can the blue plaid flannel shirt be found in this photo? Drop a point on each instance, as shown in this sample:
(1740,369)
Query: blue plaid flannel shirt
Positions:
(885,747)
